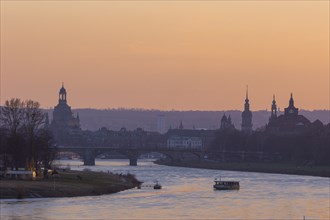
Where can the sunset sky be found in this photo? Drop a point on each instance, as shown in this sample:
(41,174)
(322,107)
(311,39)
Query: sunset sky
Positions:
(184,55)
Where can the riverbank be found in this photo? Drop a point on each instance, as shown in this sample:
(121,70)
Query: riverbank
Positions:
(321,171)
(67,184)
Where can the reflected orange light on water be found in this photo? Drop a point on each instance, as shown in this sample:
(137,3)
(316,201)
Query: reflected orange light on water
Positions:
(186,194)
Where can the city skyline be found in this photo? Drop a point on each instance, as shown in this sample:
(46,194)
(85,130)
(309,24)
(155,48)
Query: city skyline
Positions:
(166,55)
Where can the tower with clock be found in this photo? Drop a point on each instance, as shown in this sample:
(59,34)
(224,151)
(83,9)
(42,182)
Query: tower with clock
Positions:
(291,111)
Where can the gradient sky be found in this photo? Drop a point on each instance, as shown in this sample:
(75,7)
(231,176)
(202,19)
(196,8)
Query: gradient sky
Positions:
(166,54)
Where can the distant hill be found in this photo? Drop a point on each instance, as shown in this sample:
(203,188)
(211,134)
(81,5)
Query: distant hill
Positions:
(114,119)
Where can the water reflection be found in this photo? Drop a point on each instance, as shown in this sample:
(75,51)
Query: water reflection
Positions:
(186,194)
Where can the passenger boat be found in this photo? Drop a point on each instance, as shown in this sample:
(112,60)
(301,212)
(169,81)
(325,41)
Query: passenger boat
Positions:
(225,185)
(157,185)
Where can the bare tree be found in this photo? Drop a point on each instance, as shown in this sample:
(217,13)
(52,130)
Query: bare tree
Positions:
(22,135)
(11,115)
(32,121)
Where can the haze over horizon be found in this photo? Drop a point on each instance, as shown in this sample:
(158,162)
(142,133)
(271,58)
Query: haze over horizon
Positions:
(182,55)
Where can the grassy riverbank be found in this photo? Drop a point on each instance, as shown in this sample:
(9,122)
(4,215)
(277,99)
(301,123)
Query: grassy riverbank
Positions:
(322,171)
(67,184)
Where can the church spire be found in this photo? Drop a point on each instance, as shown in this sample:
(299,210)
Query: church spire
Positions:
(247,93)
(247,115)
(247,105)
(274,101)
(291,102)
(291,111)
(274,108)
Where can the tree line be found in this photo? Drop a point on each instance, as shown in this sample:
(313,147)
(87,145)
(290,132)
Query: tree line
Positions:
(25,140)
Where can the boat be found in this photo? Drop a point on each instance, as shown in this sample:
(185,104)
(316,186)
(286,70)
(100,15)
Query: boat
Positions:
(225,185)
(157,185)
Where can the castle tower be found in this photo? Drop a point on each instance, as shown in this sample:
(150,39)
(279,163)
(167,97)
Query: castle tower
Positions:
(291,111)
(247,115)
(274,109)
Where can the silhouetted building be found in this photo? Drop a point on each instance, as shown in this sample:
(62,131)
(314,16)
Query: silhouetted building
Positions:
(226,123)
(247,116)
(291,111)
(63,118)
(291,121)
(184,142)
(274,109)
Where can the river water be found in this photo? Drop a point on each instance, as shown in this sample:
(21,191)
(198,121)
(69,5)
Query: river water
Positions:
(187,193)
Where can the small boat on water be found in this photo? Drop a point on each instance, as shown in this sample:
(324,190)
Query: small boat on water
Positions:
(157,185)
(225,185)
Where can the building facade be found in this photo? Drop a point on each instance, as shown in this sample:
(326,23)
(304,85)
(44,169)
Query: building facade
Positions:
(184,142)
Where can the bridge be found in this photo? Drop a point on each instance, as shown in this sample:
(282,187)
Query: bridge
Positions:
(90,153)
(133,153)
(132,144)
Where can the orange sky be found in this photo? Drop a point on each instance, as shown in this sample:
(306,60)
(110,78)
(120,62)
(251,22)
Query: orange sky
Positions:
(166,54)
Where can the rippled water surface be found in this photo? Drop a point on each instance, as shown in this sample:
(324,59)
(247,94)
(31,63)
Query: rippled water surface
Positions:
(187,194)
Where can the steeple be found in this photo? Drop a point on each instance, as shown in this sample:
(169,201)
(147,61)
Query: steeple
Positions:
(247,105)
(291,102)
(291,111)
(274,108)
(247,115)
(247,93)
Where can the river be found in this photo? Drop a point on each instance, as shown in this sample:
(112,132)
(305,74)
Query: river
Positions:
(187,193)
